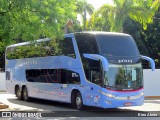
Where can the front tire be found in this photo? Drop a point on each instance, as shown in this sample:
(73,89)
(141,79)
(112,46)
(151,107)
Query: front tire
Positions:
(25,94)
(77,101)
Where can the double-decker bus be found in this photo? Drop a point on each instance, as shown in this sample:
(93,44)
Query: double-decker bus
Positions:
(101,69)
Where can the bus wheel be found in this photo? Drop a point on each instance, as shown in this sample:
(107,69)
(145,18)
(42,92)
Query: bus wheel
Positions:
(25,94)
(78,101)
(18,93)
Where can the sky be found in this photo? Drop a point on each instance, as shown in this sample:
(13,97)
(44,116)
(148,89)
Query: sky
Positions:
(99,3)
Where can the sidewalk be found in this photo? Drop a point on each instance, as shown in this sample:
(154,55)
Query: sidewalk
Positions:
(2,105)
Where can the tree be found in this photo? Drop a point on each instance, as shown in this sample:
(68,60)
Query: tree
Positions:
(138,10)
(135,29)
(25,20)
(28,19)
(148,41)
(151,38)
(99,21)
(83,8)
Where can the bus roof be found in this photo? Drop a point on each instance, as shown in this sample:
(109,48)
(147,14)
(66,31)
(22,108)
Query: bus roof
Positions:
(27,43)
(103,33)
(70,34)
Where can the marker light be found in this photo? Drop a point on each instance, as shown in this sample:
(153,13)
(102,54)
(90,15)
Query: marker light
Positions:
(108,95)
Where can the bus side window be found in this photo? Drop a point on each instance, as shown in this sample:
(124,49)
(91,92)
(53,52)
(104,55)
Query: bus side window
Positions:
(62,76)
(87,44)
(42,75)
(72,77)
(7,75)
(69,77)
(67,48)
(96,77)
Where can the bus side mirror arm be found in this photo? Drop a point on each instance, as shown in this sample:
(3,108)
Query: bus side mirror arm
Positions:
(98,57)
(150,60)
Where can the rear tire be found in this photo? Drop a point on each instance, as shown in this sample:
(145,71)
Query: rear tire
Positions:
(77,101)
(25,94)
(18,93)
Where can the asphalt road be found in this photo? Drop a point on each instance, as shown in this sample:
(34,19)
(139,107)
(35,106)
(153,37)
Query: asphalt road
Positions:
(63,111)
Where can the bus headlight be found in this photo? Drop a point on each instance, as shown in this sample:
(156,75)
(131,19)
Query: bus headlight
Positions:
(142,93)
(108,95)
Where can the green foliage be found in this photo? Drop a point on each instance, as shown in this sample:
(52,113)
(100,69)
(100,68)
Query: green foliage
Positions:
(99,21)
(83,8)
(148,41)
(35,49)
(151,38)
(26,20)
(120,78)
(141,11)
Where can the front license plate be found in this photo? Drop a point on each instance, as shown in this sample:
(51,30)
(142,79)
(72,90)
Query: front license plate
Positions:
(128,104)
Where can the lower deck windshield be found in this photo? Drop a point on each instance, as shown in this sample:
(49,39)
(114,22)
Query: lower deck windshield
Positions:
(124,77)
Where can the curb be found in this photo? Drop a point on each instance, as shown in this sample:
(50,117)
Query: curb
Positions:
(153,97)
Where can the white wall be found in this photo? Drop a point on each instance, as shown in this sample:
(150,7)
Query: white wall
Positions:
(151,82)
(2,81)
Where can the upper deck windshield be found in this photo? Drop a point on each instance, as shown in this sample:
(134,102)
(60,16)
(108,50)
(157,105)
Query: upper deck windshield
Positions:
(116,46)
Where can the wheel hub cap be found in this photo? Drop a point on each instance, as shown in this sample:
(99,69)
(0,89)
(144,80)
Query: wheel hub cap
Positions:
(78,101)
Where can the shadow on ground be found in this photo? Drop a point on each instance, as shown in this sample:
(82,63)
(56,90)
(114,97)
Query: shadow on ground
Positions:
(47,103)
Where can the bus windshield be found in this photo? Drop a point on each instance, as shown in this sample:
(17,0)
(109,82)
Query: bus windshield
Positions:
(124,77)
(116,45)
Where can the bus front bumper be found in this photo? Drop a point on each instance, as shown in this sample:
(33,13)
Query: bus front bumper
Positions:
(126,100)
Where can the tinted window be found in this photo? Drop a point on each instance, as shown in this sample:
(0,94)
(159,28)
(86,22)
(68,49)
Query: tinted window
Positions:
(86,43)
(93,71)
(96,75)
(43,75)
(72,77)
(53,76)
(67,47)
(116,45)
(92,68)
(69,77)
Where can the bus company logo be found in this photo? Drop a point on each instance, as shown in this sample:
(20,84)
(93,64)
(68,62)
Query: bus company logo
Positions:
(125,61)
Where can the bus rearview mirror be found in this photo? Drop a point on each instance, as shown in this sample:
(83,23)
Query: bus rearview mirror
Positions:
(152,63)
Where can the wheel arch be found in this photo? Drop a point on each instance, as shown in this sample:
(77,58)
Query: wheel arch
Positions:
(74,91)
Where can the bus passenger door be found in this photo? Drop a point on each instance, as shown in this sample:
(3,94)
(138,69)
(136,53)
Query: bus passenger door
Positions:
(94,96)
(93,72)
